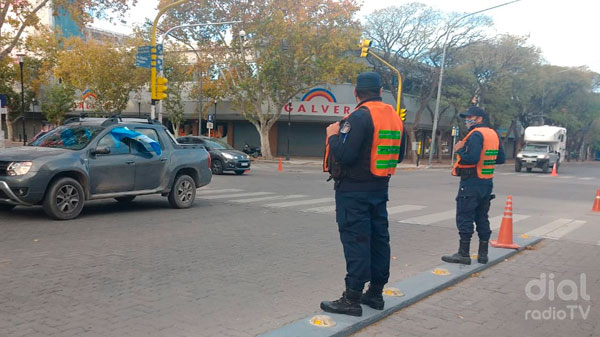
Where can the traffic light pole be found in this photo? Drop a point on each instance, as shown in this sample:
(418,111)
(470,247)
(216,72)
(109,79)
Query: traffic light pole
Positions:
(399,79)
(154,56)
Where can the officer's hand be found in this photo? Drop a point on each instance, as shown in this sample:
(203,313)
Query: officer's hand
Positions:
(459,145)
(333,129)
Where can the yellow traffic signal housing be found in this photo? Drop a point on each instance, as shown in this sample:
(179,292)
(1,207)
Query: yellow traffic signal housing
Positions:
(403,114)
(161,88)
(365,44)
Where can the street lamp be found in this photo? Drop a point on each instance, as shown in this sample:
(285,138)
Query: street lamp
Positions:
(289,109)
(21,60)
(34,102)
(439,89)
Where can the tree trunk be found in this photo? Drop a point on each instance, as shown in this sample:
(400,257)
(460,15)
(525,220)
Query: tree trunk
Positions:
(265,144)
(410,152)
(9,129)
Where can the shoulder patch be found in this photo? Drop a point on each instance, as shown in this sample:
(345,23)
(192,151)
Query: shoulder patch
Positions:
(345,127)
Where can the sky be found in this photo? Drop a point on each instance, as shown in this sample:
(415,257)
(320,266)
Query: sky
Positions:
(565,31)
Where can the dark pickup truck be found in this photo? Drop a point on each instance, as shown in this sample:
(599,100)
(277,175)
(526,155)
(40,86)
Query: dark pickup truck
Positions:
(98,158)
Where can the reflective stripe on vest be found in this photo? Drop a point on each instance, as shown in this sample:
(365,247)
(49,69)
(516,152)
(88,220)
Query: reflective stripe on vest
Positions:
(387,136)
(487,158)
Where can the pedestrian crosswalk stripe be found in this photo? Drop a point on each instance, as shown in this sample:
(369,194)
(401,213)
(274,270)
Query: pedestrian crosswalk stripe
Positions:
(496,221)
(300,203)
(403,208)
(547,228)
(272,197)
(565,177)
(209,191)
(430,218)
(564,230)
(322,209)
(586,178)
(231,196)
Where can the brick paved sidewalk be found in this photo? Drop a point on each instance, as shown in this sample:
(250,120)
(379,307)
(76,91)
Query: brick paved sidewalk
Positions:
(495,303)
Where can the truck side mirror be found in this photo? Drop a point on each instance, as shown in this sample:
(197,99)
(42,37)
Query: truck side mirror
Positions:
(100,150)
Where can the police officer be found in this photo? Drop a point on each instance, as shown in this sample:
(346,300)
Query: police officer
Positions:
(478,153)
(361,155)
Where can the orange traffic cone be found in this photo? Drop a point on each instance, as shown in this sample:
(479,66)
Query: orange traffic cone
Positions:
(280,167)
(505,236)
(554,174)
(596,207)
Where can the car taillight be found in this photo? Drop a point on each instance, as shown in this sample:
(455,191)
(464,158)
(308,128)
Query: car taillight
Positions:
(208,159)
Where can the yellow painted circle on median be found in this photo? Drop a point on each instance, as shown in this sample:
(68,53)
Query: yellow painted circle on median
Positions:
(323,321)
(441,271)
(395,292)
(474,256)
(524,236)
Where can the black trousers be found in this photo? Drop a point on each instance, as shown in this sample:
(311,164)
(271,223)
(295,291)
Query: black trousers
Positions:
(472,206)
(363,225)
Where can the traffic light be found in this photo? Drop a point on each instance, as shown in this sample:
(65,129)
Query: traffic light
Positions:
(365,44)
(161,88)
(403,114)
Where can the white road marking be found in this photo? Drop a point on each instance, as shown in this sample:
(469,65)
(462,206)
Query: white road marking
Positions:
(300,203)
(272,197)
(549,227)
(587,178)
(430,218)
(231,196)
(209,191)
(565,177)
(322,209)
(564,230)
(496,221)
(404,208)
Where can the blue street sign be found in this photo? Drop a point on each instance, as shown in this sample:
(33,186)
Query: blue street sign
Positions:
(211,118)
(143,59)
(144,50)
(159,49)
(159,64)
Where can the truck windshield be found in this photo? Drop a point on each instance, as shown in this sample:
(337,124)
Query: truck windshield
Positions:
(535,148)
(72,137)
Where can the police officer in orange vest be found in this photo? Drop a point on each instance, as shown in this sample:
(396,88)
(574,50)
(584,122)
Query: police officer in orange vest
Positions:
(478,153)
(361,155)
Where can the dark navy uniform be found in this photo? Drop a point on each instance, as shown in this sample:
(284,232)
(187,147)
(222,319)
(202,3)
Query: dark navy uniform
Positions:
(481,151)
(474,194)
(361,200)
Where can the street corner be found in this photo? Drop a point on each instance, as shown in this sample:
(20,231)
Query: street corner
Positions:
(400,295)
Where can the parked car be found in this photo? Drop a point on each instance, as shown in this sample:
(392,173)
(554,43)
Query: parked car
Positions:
(98,158)
(223,156)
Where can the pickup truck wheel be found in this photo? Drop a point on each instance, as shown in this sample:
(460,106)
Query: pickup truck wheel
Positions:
(517,166)
(126,199)
(64,199)
(6,207)
(217,166)
(545,167)
(183,192)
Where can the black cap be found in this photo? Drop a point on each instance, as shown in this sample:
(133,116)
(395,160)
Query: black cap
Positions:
(369,80)
(474,111)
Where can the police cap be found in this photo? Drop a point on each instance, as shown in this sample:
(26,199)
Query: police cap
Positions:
(474,111)
(369,81)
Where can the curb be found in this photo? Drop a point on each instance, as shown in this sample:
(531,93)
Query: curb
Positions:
(415,288)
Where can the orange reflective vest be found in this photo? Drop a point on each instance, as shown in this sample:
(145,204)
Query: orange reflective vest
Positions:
(387,136)
(487,159)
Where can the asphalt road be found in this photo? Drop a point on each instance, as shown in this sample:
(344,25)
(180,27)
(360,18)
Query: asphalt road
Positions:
(254,253)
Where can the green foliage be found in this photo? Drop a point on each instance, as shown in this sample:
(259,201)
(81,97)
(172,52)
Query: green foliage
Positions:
(178,71)
(57,102)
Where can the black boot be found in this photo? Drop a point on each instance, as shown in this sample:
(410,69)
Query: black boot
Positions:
(462,256)
(373,297)
(482,255)
(348,304)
